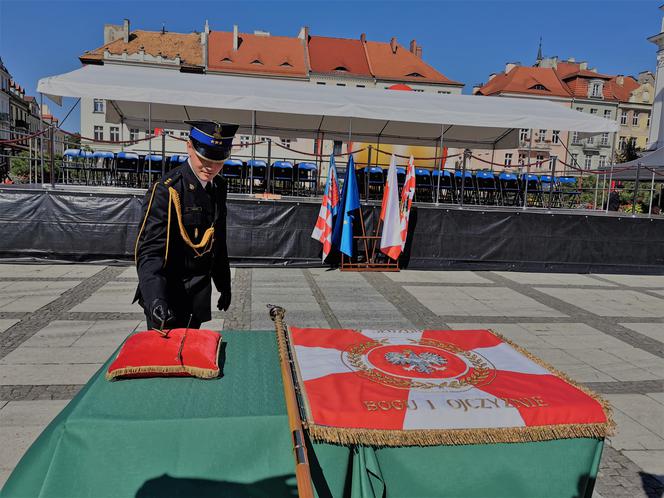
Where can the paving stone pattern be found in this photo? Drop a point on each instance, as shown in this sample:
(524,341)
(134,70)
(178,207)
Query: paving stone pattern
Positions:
(58,323)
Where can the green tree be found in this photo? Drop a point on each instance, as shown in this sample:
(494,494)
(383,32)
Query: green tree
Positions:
(629,152)
(19,167)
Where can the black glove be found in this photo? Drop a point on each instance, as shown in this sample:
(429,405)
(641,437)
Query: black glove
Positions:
(161,313)
(224,300)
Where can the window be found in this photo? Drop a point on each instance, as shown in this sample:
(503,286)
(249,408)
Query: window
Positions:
(648,121)
(590,140)
(522,158)
(417,90)
(320,83)
(244,140)
(575,137)
(588,162)
(621,143)
(541,136)
(607,113)
(508,159)
(574,161)
(602,161)
(444,92)
(133,134)
(538,87)
(98,105)
(605,138)
(540,160)
(580,109)
(286,142)
(635,119)
(184,134)
(593,111)
(169,133)
(596,89)
(524,135)
(336,149)
(115,134)
(623,118)
(555,136)
(341,84)
(360,86)
(99,132)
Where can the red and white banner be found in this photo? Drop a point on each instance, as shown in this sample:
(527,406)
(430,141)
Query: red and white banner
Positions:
(390,240)
(407,195)
(453,386)
(323,229)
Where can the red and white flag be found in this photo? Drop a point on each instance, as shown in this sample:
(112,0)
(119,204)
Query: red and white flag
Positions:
(465,384)
(328,210)
(390,240)
(407,195)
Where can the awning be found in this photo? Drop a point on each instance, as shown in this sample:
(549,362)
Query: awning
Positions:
(301,109)
(650,162)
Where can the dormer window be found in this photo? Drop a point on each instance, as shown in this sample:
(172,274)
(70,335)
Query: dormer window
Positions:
(415,75)
(539,87)
(257,62)
(342,69)
(226,59)
(286,64)
(595,89)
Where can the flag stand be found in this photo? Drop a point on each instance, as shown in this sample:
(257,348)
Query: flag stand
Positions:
(370,254)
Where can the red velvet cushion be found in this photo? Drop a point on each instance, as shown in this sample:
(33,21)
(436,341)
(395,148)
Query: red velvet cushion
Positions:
(183,353)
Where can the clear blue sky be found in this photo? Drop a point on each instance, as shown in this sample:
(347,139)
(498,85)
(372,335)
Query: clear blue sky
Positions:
(465,40)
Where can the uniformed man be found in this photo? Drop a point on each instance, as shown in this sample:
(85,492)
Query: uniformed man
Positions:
(181,243)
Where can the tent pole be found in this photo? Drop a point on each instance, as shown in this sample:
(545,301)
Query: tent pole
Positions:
(440,163)
(253,152)
(466,153)
(30,160)
(163,153)
(150,143)
(525,187)
(636,187)
(652,193)
(553,160)
(596,188)
(608,195)
(41,139)
(603,185)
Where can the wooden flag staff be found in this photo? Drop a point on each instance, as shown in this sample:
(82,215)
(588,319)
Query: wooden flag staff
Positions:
(302,470)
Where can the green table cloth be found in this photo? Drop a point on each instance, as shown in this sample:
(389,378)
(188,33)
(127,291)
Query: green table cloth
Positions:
(229,437)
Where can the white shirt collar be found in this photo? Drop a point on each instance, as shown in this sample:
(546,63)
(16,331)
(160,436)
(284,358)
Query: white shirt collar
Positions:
(202,182)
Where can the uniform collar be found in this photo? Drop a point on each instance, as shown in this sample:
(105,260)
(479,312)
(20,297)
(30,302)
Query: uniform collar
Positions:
(202,182)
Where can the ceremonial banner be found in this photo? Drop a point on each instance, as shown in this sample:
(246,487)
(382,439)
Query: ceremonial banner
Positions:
(328,210)
(390,240)
(409,387)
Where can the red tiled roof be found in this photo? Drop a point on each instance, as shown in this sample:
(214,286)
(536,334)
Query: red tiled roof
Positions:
(330,55)
(622,92)
(275,55)
(402,65)
(187,45)
(528,80)
(570,69)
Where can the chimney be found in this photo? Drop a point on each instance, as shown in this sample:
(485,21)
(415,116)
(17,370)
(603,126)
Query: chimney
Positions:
(393,45)
(413,46)
(363,37)
(492,76)
(476,88)
(510,65)
(236,41)
(620,79)
(125,30)
(112,32)
(583,65)
(304,33)
(205,36)
(571,59)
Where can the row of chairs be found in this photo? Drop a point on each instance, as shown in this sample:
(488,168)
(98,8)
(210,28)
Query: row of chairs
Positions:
(130,169)
(478,187)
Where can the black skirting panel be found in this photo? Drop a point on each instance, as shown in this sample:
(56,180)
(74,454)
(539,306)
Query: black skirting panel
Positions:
(80,226)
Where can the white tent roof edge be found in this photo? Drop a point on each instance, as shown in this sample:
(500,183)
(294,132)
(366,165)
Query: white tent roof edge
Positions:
(294,108)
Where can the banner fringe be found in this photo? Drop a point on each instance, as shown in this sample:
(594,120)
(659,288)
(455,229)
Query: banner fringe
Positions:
(201,373)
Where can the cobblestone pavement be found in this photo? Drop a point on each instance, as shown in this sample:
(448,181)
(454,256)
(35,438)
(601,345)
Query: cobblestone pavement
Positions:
(59,323)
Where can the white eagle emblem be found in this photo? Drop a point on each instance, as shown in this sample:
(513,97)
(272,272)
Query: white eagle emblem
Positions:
(423,362)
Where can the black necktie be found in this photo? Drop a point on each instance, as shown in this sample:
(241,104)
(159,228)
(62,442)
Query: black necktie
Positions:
(209,188)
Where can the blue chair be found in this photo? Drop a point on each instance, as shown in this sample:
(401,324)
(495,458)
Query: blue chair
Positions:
(570,192)
(487,190)
(127,172)
(255,171)
(101,168)
(73,166)
(510,192)
(176,160)
(306,178)
(401,177)
(469,192)
(282,177)
(374,179)
(232,173)
(423,185)
(530,185)
(445,185)
(150,169)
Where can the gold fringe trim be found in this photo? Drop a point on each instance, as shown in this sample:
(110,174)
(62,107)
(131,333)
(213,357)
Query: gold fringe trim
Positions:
(608,411)
(201,373)
(433,437)
(145,219)
(208,235)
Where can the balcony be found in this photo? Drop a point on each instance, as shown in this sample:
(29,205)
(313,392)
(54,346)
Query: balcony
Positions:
(544,145)
(590,147)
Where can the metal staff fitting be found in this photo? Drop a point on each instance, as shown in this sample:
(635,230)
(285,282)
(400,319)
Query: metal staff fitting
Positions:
(302,471)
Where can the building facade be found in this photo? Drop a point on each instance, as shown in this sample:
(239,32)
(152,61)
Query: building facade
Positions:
(5,121)
(306,58)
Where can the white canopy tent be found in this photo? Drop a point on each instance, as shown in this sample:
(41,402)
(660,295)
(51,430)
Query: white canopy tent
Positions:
(300,109)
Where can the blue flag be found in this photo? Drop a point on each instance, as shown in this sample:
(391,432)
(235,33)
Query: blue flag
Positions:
(342,235)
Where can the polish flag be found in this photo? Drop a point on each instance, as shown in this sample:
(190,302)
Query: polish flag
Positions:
(328,209)
(407,195)
(390,240)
